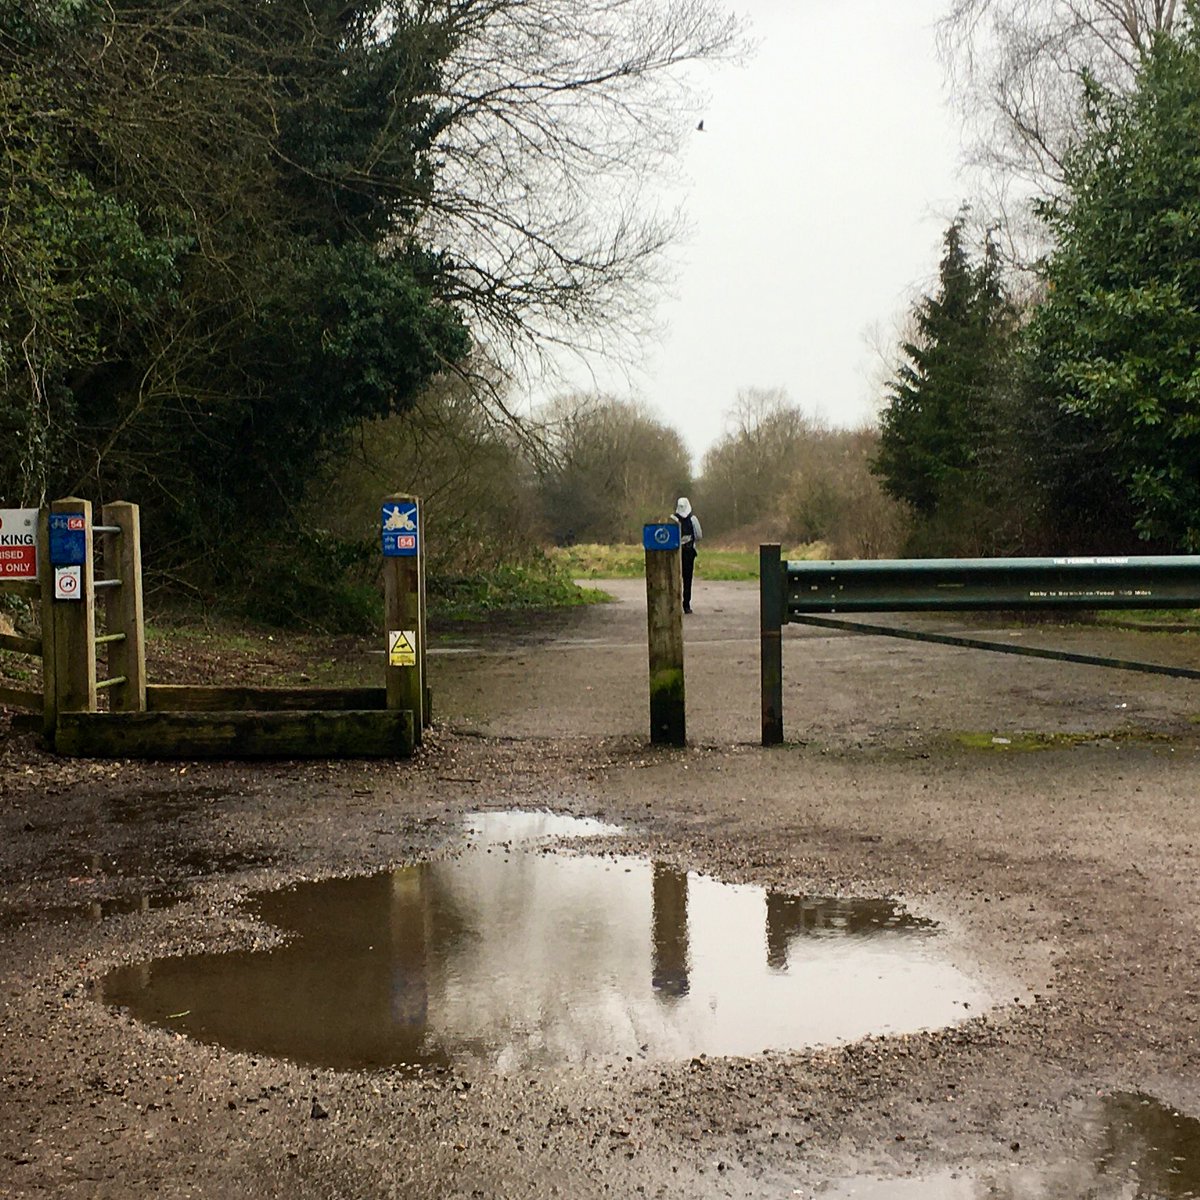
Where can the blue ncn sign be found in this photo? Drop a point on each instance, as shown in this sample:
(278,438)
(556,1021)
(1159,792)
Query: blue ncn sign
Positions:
(399,521)
(661,537)
(68,539)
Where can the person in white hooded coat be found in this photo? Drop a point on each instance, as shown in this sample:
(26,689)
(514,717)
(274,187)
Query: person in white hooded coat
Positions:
(689,534)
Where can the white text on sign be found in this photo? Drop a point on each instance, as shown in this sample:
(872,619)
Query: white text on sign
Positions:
(18,543)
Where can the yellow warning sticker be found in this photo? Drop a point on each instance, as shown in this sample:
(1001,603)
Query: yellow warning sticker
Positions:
(402,648)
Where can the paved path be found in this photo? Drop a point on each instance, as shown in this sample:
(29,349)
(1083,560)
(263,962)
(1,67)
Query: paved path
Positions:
(584,673)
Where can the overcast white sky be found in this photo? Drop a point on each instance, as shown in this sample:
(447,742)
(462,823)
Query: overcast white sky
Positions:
(818,193)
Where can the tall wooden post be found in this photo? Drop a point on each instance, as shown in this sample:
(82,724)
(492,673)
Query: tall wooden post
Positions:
(73,605)
(426,691)
(123,607)
(771,603)
(46,580)
(664,629)
(403,566)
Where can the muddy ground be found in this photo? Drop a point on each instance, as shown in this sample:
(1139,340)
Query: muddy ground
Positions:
(1065,876)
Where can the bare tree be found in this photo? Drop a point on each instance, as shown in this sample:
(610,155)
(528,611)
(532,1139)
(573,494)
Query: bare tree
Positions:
(608,466)
(1017,69)
(559,118)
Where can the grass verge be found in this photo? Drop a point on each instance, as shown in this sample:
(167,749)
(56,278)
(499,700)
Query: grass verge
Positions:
(590,561)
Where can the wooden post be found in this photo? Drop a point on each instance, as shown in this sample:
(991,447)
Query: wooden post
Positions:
(74,620)
(123,607)
(402,570)
(664,628)
(422,632)
(771,603)
(46,580)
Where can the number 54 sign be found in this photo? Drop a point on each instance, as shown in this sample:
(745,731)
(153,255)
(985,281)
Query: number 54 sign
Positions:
(400,530)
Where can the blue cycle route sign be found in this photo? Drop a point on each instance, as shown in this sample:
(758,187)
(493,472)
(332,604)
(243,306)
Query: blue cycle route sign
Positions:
(661,537)
(399,523)
(68,539)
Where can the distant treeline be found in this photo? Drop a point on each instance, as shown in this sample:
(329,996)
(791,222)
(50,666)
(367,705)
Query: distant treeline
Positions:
(262,264)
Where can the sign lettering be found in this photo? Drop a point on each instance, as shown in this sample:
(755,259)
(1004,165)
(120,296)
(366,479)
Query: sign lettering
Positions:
(18,543)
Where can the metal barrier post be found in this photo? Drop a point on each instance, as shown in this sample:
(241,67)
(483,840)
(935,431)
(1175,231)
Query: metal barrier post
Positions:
(771,586)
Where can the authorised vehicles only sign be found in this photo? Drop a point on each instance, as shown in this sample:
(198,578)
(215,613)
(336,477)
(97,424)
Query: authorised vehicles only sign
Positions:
(18,543)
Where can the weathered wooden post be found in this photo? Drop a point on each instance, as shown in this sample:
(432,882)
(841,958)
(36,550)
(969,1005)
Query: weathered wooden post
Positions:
(403,567)
(46,586)
(73,606)
(124,622)
(664,627)
(771,601)
(426,690)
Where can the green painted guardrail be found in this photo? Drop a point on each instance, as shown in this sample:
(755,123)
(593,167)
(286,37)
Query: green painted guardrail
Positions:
(801,591)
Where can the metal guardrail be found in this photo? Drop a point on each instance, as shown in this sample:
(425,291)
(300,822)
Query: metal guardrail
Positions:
(800,591)
(990,584)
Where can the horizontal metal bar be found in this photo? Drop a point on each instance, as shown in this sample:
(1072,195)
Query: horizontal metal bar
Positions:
(107,683)
(981,584)
(947,639)
(106,583)
(101,638)
(107,529)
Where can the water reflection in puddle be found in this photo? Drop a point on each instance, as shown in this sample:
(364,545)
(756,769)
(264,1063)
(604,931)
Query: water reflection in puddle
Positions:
(94,911)
(519,954)
(1137,1149)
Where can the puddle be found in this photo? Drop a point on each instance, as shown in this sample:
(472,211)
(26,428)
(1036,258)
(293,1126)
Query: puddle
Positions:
(521,953)
(1136,1149)
(153,878)
(94,911)
(192,862)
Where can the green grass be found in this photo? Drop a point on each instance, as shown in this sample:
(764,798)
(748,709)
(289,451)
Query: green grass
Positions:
(629,562)
(540,586)
(223,634)
(1170,619)
(1026,741)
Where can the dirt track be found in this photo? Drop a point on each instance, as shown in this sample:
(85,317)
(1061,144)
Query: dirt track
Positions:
(1067,877)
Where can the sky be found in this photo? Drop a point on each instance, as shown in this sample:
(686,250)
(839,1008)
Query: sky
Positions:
(817,194)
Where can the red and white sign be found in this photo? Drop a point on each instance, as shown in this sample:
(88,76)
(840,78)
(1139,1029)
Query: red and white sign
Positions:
(18,543)
(68,583)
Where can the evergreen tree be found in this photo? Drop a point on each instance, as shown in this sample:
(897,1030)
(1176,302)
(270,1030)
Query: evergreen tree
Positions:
(943,420)
(1114,343)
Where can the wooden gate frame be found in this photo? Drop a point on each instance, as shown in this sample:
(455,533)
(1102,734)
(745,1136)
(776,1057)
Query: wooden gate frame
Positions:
(146,720)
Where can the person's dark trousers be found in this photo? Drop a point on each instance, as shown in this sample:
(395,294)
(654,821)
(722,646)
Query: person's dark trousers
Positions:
(689,565)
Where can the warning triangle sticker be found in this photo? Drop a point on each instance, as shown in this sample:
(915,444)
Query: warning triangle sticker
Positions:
(402,648)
